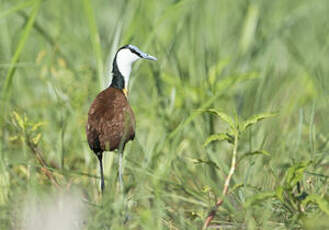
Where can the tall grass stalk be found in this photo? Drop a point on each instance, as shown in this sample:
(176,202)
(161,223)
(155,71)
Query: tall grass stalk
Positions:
(95,41)
(19,49)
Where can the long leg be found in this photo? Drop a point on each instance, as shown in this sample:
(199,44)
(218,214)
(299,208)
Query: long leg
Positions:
(120,169)
(100,157)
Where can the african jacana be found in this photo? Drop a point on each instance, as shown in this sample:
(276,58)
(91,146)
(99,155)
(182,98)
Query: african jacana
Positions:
(111,121)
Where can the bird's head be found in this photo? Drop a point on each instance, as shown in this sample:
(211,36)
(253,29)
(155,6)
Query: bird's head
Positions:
(128,54)
(122,64)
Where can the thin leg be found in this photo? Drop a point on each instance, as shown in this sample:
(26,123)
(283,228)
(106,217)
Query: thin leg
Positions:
(120,170)
(100,157)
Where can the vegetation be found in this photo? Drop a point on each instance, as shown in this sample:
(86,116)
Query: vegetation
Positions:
(240,60)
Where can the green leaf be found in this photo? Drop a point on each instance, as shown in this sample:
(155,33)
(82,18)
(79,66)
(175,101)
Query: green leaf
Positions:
(295,173)
(254,119)
(279,193)
(208,162)
(36,139)
(13,138)
(37,125)
(257,152)
(259,198)
(235,187)
(19,120)
(218,137)
(321,202)
(223,116)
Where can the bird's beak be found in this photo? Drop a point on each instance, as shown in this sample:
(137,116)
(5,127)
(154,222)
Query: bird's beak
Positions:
(149,57)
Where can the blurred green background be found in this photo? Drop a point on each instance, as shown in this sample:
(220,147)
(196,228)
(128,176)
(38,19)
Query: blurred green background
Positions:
(239,57)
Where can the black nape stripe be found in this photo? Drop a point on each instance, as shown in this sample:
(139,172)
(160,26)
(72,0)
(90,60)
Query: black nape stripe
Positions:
(118,80)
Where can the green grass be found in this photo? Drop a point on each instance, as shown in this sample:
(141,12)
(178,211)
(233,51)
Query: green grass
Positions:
(239,57)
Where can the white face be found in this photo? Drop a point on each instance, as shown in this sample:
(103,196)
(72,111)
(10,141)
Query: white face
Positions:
(125,59)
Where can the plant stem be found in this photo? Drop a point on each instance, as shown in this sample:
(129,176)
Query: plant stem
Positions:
(219,202)
(44,166)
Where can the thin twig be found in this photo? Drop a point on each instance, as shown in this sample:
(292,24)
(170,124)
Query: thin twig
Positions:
(44,166)
(219,202)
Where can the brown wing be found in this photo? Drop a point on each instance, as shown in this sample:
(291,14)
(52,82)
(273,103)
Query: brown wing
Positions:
(111,121)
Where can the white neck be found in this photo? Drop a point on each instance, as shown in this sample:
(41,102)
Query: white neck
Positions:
(125,58)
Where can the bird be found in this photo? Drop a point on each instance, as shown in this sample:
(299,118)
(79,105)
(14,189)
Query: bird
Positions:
(111,121)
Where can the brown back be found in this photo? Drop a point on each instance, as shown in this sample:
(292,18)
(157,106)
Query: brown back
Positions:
(111,121)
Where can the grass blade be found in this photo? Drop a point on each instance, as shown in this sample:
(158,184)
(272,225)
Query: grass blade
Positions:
(16,8)
(258,198)
(95,40)
(257,152)
(18,51)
